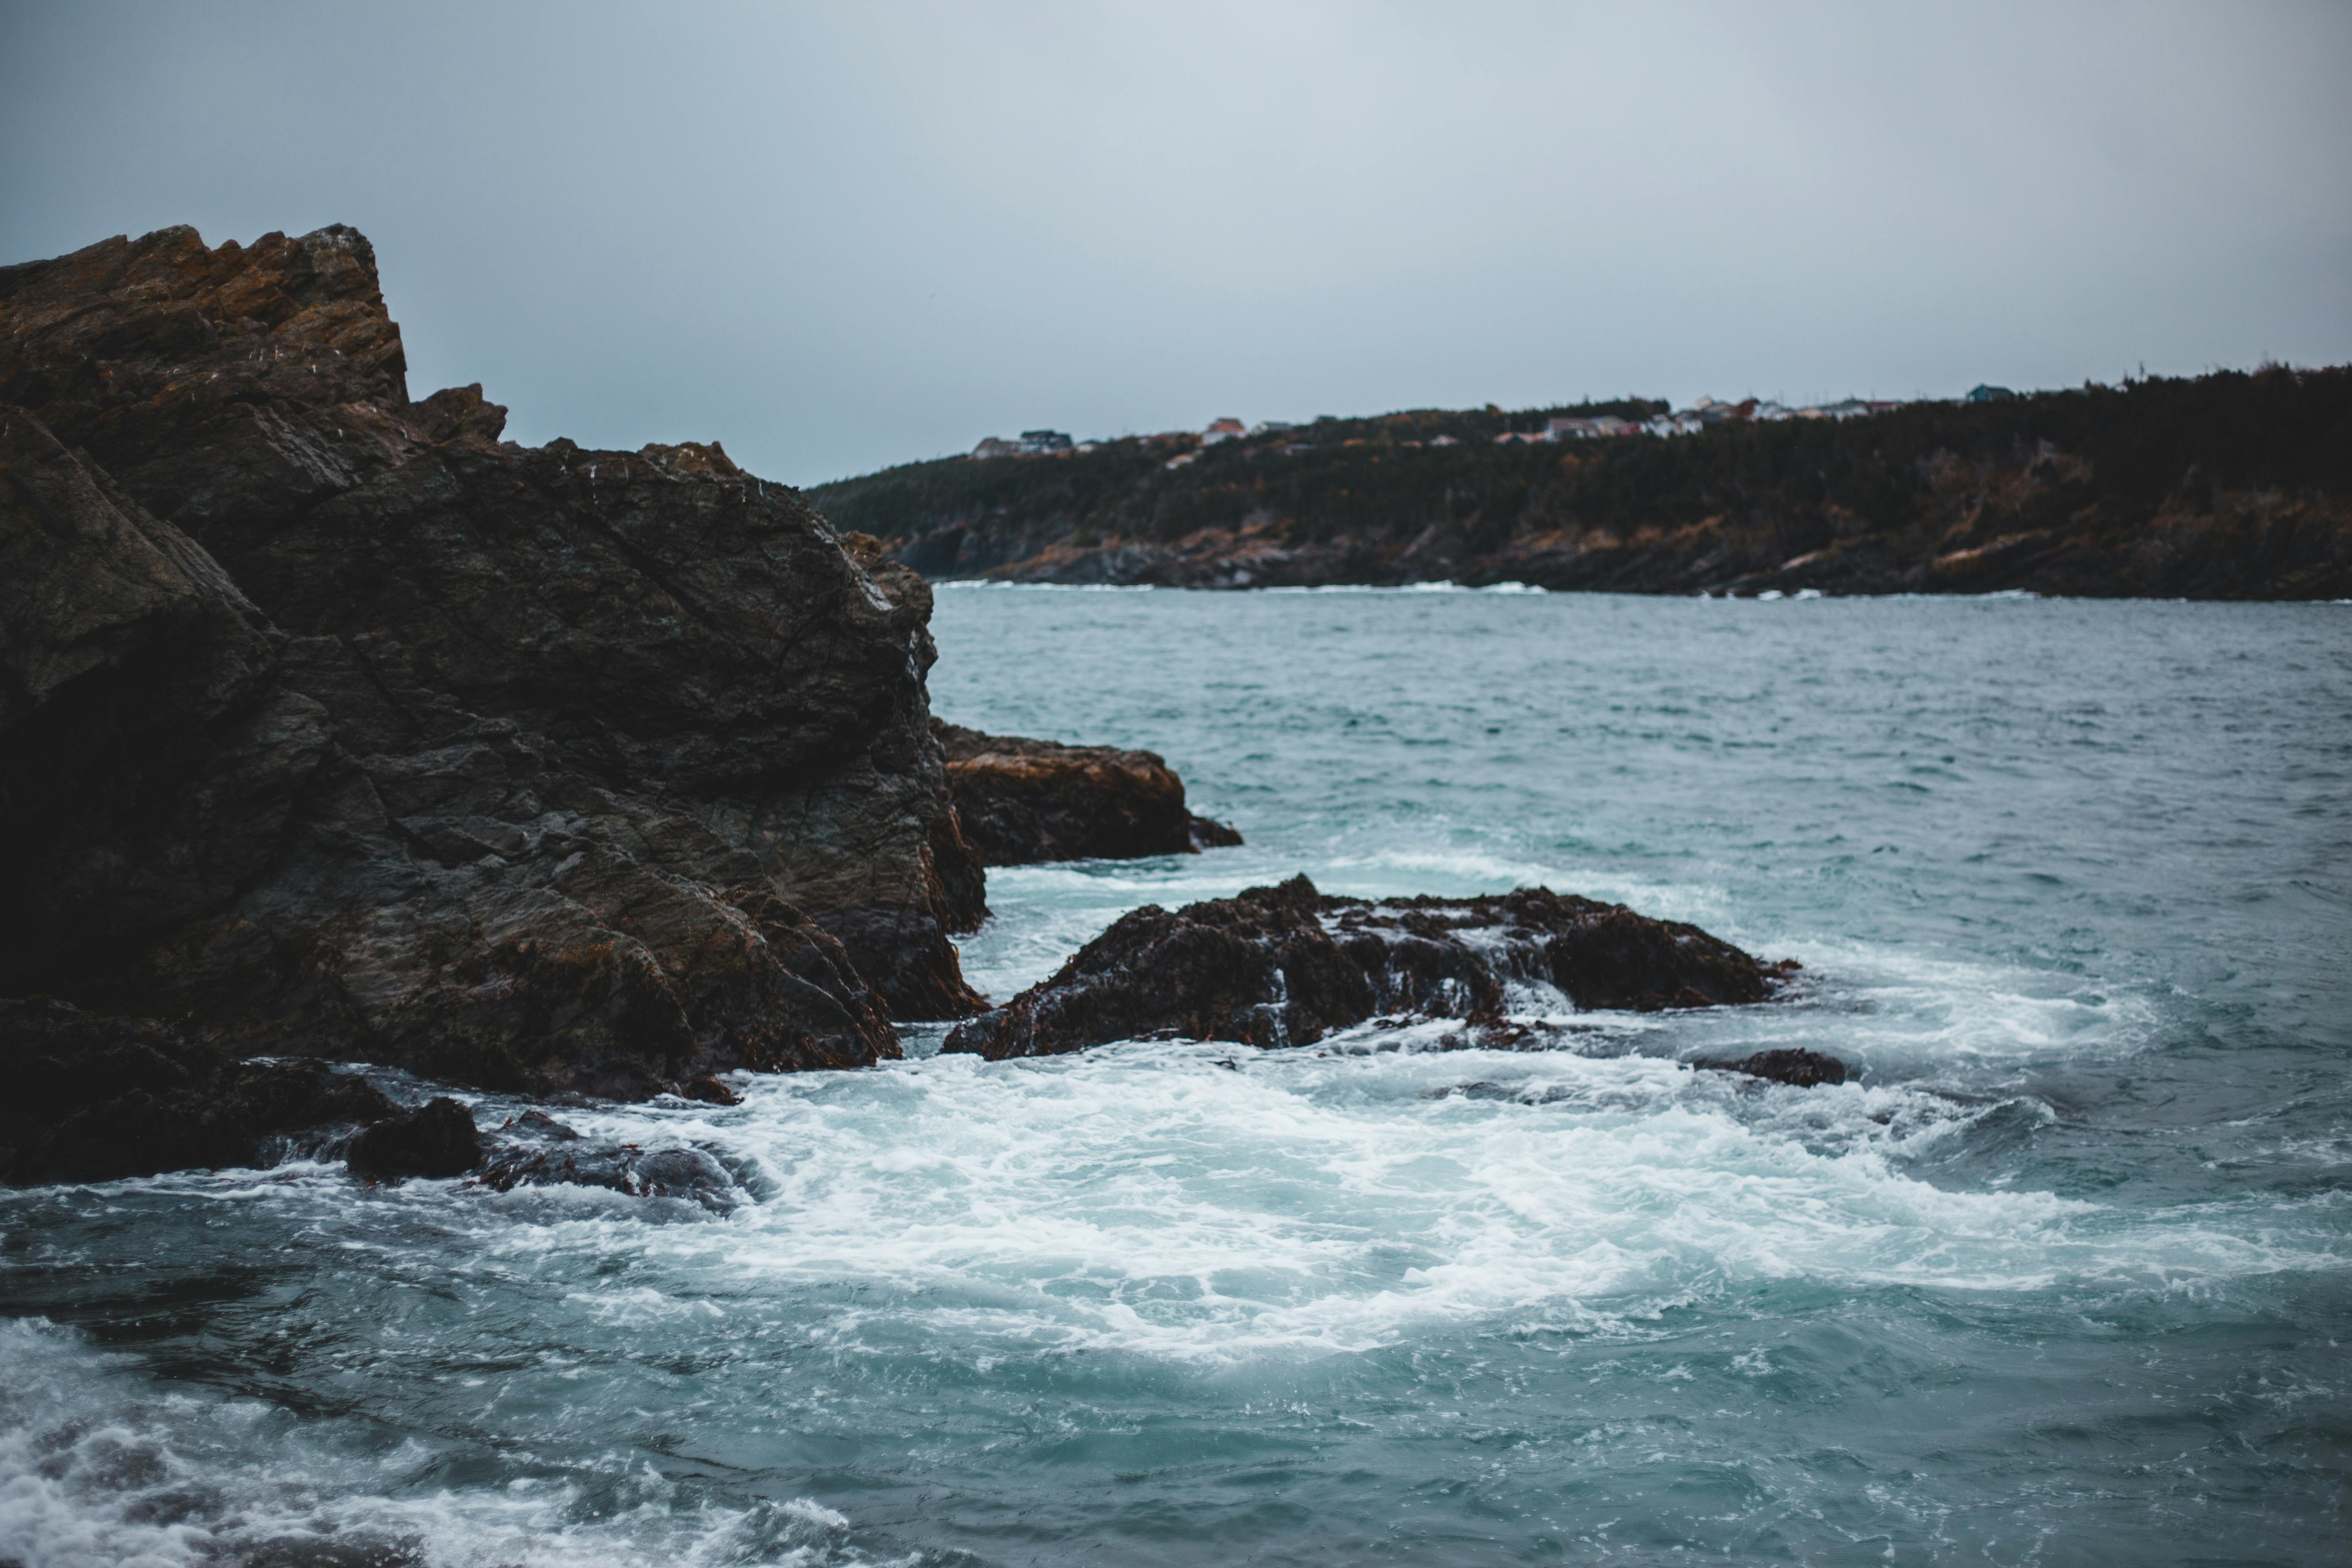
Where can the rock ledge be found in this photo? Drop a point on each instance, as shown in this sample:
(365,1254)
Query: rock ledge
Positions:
(1022,801)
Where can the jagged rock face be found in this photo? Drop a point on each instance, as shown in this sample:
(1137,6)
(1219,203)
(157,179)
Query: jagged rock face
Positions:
(92,1097)
(332,724)
(230,385)
(1286,965)
(1025,801)
(149,761)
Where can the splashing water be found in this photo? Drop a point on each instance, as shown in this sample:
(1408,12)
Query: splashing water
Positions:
(2063,1279)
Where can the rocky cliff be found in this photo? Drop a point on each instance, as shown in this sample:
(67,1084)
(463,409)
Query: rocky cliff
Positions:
(331,724)
(2230,486)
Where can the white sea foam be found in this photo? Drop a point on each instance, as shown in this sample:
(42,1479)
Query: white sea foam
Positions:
(98,1467)
(1923,1011)
(966,1274)
(1150,1201)
(992,584)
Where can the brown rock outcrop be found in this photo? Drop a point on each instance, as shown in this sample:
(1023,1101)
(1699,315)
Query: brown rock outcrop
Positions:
(1286,965)
(331,724)
(1025,801)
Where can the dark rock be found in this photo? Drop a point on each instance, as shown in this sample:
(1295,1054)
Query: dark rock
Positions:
(1206,833)
(436,1139)
(1025,801)
(1286,966)
(1478,1090)
(149,760)
(329,725)
(93,1098)
(708,1090)
(539,1124)
(674,1172)
(1805,1070)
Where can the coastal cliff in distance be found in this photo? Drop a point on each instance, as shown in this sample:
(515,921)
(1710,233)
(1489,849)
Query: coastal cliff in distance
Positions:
(2230,486)
(331,724)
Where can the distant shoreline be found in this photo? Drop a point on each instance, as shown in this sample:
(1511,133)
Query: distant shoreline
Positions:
(2230,486)
(1526,590)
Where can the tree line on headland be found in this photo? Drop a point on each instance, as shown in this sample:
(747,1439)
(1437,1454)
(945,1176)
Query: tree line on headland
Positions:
(2232,485)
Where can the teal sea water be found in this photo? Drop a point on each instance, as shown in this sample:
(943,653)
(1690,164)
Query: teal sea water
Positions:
(2066,1278)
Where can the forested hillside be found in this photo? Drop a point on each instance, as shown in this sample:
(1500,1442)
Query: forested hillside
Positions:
(2232,485)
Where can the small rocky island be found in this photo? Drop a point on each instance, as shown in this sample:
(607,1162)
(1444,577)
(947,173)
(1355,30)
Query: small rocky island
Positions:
(1286,965)
(335,728)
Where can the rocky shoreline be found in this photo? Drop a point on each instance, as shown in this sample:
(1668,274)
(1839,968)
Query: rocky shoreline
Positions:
(335,728)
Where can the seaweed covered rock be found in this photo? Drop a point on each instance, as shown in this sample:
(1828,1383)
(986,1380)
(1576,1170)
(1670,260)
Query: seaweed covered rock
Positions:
(1025,801)
(92,1097)
(1286,966)
(331,724)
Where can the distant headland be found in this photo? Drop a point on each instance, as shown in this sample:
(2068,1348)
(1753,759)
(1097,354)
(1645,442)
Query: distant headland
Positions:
(2234,485)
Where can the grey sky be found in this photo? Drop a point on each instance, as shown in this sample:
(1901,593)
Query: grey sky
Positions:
(842,237)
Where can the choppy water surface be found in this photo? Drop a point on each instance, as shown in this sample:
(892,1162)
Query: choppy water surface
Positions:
(2063,1279)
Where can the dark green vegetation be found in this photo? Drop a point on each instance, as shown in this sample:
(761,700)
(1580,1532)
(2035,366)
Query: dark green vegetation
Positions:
(2229,486)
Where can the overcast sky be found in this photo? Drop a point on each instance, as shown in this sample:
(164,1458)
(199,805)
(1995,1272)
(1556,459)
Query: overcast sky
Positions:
(840,236)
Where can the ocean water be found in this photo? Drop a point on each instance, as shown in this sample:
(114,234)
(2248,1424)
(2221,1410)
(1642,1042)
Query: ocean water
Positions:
(2065,1278)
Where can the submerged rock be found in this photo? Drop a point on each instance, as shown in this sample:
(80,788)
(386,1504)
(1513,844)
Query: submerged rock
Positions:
(535,1150)
(1798,1069)
(539,1124)
(436,1139)
(331,724)
(1286,966)
(680,1172)
(708,1090)
(1021,801)
(1803,1068)
(92,1097)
